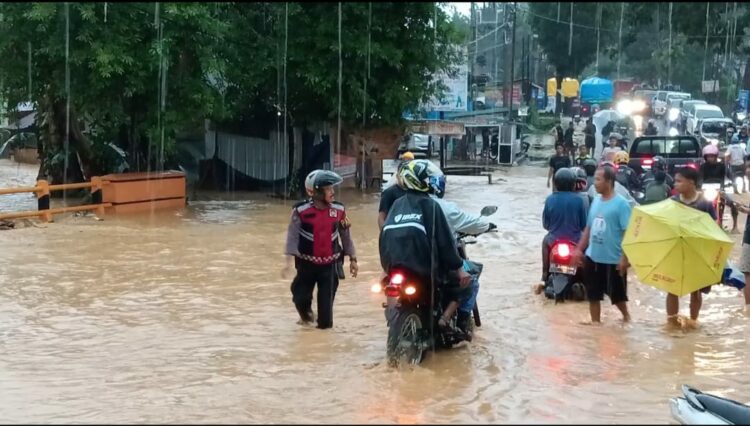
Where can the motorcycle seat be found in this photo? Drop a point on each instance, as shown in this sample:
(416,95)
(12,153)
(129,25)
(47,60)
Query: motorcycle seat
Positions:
(731,411)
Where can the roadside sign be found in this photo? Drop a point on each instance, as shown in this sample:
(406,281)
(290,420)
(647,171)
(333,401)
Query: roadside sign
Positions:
(710,86)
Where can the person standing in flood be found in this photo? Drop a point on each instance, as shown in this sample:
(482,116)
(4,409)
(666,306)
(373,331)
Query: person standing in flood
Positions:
(317,238)
(605,264)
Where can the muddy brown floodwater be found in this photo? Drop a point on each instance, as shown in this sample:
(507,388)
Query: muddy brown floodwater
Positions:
(183,318)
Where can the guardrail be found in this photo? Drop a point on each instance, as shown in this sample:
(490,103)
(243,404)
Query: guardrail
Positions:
(43,190)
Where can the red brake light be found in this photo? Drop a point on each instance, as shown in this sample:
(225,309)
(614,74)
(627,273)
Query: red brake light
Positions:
(393,291)
(563,250)
(648,162)
(397,279)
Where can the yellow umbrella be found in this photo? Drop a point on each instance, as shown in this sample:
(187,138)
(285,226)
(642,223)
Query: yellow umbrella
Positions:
(675,248)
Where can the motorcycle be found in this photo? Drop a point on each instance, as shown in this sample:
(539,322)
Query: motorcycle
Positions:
(714,192)
(565,280)
(413,308)
(698,408)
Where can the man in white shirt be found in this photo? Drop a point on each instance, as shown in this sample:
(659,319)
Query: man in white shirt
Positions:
(735,157)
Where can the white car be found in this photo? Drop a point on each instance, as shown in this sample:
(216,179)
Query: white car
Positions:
(688,109)
(701,112)
(663,98)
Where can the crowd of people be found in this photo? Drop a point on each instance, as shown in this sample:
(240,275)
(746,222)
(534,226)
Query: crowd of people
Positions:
(590,205)
(599,229)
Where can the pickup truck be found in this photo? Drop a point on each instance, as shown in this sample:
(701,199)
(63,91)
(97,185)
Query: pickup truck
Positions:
(677,151)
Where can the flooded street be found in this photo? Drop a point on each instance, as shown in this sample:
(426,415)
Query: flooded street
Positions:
(184,318)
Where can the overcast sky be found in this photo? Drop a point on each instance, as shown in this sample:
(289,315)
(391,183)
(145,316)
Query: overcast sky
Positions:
(462,7)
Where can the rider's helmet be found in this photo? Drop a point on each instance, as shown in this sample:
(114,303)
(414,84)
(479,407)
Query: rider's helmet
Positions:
(565,180)
(407,156)
(418,174)
(318,179)
(581,182)
(651,122)
(710,149)
(589,166)
(622,157)
(658,163)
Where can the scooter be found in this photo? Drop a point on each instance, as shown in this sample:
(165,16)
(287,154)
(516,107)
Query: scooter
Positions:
(412,310)
(698,408)
(565,280)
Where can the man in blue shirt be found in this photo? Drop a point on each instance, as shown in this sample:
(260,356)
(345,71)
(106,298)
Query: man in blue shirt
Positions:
(605,265)
(564,216)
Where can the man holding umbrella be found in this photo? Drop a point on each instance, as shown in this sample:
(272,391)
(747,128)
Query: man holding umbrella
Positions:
(686,185)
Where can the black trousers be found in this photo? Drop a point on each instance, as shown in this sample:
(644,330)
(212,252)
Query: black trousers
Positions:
(327,279)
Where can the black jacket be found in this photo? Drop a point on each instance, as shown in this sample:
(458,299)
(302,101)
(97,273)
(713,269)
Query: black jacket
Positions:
(415,231)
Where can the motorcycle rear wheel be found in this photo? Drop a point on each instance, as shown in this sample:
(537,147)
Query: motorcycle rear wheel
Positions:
(405,339)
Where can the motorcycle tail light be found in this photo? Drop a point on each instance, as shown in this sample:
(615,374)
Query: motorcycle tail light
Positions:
(392,291)
(410,290)
(562,251)
(648,162)
(397,278)
(376,288)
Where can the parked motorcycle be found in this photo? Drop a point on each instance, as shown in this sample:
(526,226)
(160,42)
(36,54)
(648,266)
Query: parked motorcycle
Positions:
(565,281)
(413,308)
(698,408)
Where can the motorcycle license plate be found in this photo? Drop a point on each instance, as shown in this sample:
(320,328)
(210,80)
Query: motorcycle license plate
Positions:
(563,269)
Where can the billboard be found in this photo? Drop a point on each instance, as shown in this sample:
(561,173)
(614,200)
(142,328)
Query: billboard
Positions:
(455,97)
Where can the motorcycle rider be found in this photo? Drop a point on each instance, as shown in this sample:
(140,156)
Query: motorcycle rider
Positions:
(460,222)
(589,166)
(625,174)
(712,171)
(657,190)
(651,129)
(315,228)
(564,217)
(416,236)
(403,159)
(658,164)
(608,153)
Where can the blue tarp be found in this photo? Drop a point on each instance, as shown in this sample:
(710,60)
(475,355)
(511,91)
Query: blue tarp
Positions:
(596,89)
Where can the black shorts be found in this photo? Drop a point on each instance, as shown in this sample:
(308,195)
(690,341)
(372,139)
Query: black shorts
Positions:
(601,279)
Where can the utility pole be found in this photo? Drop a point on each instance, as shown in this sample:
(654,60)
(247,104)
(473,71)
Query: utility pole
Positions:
(512,61)
(669,68)
(619,40)
(705,46)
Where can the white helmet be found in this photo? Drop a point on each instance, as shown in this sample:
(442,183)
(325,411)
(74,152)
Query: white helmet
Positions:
(317,179)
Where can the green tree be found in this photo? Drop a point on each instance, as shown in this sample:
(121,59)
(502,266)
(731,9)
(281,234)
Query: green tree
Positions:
(554,35)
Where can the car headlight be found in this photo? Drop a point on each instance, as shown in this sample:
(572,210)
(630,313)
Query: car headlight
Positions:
(674,114)
(625,107)
(673,132)
(638,106)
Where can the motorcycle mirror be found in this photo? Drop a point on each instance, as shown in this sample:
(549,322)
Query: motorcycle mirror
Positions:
(488,211)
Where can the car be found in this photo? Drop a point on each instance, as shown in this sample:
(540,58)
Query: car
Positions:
(702,112)
(688,108)
(714,131)
(646,96)
(416,143)
(659,103)
(677,151)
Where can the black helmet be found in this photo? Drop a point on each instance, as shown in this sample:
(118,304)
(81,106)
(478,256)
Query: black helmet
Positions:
(658,163)
(565,180)
(317,179)
(581,182)
(589,166)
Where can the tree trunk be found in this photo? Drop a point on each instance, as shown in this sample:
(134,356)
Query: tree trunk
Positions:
(51,123)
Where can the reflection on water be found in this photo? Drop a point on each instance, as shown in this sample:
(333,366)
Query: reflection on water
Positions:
(183,317)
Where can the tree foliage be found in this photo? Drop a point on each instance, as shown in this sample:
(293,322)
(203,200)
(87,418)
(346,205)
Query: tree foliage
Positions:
(222,61)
